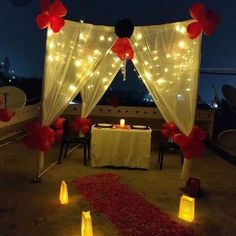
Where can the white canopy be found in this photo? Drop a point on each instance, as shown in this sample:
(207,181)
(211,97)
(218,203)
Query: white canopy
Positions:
(79,60)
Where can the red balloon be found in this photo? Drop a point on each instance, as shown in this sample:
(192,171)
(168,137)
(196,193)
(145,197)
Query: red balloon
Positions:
(59,134)
(51,14)
(42,20)
(44,146)
(194,29)
(193,150)
(181,139)
(56,23)
(123,49)
(59,123)
(211,21)
(197,11)
(57,9)
(74,128)
(165,133)
(5,114)
(47,132)
(51,140)
(84,121)
(85,129)
(169,129)
(197,134)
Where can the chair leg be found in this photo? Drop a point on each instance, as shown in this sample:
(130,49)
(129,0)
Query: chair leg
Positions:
(60,154)
(162,156)
(89,158)
(66,149)
(85,154)
(159,156)
(182,157)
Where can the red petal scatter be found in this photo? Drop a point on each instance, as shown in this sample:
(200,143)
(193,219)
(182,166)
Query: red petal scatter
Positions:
(206,21)
(39,137)
(123,49)
(126,209)
(51,15)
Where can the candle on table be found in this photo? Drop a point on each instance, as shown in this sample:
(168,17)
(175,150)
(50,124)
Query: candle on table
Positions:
(122,122)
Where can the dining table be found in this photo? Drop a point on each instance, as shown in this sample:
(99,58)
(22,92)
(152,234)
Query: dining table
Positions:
(116,146)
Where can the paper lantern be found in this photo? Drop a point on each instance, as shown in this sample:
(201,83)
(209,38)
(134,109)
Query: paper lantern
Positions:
(64,199)
(187,208)
(86,224)
(122,123)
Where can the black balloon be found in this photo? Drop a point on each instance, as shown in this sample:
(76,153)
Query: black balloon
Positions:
(124,28)
(21,3)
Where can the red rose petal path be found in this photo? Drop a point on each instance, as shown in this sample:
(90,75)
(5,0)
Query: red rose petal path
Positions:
(128,210)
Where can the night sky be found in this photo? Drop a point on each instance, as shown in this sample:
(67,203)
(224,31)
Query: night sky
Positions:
(23,43)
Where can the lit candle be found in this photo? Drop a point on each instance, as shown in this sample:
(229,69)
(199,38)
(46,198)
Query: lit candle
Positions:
(187,208)
(122,122)
(64,199)
(86,224)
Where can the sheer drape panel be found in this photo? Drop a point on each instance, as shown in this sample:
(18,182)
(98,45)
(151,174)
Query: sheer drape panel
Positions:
(101,78)
(168,62)
(72,56)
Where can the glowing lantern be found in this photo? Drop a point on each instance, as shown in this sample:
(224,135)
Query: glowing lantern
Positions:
(122,123)
(187,208)
(64,199)
(86,224)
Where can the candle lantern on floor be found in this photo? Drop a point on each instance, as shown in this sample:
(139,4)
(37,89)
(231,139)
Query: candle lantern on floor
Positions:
(187,208)
(122,123)
(64,199)
(86,224)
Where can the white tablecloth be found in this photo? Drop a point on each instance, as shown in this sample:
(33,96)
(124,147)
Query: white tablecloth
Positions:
(121,147)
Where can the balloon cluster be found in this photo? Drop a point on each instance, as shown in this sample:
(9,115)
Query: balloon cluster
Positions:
(169,129)
(206,21)
(190,145)
(39,137)
(82,125)
(5,113)
(58,127)
(122,47)
(51,15)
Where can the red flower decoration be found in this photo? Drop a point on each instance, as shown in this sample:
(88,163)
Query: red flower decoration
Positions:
(123,49)
(51,15)
(206,21)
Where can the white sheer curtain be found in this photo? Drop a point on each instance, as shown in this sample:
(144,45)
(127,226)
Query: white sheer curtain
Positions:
(168,62)
(100,80)
(78,53)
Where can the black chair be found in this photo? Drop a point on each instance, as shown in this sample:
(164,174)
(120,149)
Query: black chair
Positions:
(169,147)
(70,138)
